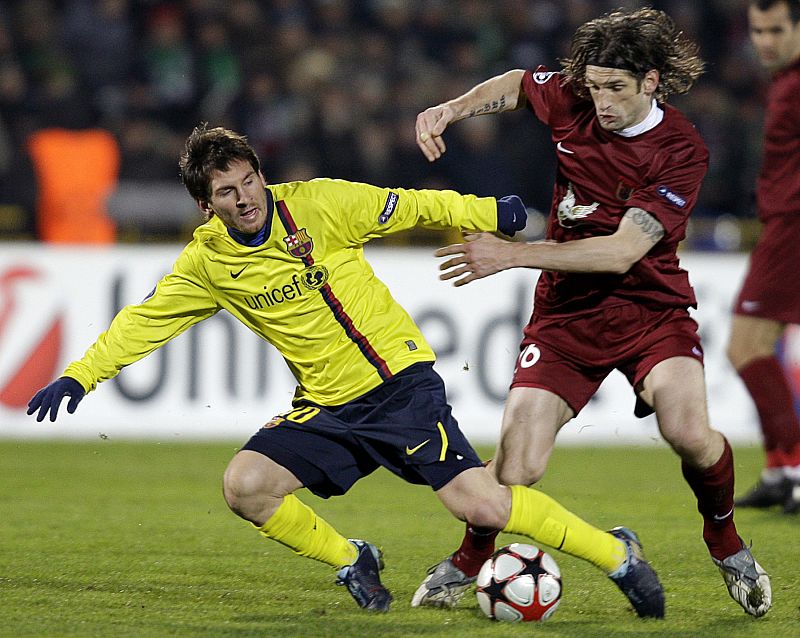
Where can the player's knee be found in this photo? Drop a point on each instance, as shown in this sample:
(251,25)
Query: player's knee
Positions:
(692,444)
(744,349)
(243,489)
(737,353)
(487,512)
(233,489)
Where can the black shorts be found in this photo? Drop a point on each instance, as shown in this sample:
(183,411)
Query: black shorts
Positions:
(404,425)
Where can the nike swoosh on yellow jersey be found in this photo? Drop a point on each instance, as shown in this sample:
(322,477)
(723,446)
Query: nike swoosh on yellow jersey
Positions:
(234,275)
(411,450)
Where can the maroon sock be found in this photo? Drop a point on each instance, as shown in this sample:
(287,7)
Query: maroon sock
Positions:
(713,488)
(767,384)
(477,546)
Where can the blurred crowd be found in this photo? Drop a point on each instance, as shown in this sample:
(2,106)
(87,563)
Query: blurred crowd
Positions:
(332,88)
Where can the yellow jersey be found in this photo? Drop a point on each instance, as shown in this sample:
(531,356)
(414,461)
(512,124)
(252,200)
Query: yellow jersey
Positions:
(307,289)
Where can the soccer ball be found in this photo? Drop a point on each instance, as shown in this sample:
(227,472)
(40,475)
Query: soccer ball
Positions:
(519,583)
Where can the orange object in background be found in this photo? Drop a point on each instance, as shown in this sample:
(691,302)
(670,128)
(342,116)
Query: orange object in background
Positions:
(76,172)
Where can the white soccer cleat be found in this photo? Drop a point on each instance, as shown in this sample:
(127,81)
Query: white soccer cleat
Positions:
(747,582)
(444,586)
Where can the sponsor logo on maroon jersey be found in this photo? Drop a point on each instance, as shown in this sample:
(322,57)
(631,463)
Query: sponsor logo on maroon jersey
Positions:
(571,214)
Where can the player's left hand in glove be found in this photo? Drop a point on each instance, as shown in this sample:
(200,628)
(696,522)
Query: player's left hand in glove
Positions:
(511,215)
(49,398)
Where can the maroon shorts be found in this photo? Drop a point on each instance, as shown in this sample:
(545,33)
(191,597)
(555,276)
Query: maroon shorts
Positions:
(771,288)
(572,355)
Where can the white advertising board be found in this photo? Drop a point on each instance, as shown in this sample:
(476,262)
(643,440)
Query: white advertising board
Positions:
(218,381)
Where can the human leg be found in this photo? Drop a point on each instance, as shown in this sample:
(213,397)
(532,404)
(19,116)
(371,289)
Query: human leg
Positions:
(767,302)
(676,389)
(531,420)
(520,459)
(260,489)
(751,351)
(474,495)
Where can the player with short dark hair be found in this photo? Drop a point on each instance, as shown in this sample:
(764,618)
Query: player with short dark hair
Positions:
(770,296)
(612,294)
(287,261)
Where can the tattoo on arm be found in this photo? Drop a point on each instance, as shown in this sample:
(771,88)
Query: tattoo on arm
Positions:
(495,106)
(649,224)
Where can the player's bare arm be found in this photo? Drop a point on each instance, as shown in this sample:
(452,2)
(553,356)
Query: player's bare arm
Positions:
(483,254)
(648,224)
(495,95)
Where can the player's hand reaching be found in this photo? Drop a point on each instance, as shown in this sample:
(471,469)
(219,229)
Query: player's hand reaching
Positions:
(431,123)
(481,255)
(49,398)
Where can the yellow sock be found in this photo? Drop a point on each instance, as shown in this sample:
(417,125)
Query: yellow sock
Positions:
(536,515)
(295,525)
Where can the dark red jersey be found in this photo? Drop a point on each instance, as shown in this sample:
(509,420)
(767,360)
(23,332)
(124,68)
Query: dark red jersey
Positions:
(778,185)
(600,176)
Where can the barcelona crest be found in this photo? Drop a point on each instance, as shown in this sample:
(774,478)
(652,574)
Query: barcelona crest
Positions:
(299,244)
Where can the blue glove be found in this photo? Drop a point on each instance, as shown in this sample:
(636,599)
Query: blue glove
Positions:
(49,398)
(511,215)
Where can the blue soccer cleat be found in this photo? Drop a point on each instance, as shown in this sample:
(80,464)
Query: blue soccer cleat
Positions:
(363,580)
(636,578)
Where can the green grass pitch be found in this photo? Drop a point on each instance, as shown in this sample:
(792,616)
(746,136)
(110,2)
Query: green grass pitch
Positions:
(112,538)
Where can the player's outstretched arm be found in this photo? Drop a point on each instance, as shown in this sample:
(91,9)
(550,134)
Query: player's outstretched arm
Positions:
(497,94)
(49,398)
(481,255)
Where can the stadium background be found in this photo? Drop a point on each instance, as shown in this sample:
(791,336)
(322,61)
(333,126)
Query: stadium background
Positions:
(97,96)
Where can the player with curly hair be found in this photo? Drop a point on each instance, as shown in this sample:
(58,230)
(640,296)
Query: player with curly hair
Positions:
(612,294)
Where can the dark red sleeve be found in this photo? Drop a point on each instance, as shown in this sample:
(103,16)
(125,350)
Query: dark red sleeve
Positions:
(672,191)
(542,88)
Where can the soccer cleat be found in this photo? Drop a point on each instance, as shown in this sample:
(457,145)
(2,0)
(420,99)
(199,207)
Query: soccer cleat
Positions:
(763,495)
(444,586)
(636,578)
(791,503)
(363,580)
(747,582)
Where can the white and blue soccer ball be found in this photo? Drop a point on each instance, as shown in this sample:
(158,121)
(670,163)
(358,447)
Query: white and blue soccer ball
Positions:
(519,583)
